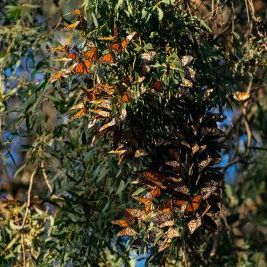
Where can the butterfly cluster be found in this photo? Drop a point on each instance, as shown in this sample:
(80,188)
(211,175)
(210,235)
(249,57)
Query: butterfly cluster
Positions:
(183,185)
(173,135)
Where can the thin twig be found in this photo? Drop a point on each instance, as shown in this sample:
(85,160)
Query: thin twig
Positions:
(28,199)
(234,161)
(247,10)
(23,250)
(46,177)
(248,130)
(212,8)
(184,257)
(215,244)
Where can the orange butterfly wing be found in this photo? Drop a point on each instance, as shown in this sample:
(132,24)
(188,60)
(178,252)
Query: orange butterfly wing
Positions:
(83,67)
(56,76)
(72,56)
(126,98)
(76,12)
(241,96)
(120,47)
(79,110)
(154,193)
(72,26)
(124,43)
(127,232)
(147,203)
(180,202)
(91,54)
(61,48)
(194,204)
(108,58)
(121,223)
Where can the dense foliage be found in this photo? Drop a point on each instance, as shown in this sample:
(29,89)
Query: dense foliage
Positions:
(133,128)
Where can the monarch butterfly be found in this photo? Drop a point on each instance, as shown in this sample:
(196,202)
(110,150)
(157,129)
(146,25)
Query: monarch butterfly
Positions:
(193,225)
(127,231)
(191,73)
(72,26)
(61,48)
(83,67)
(206,192)
(137,213)
(161,216)
(166,210)
(241,96)
(129,217)
(72,56)
(107,38)
(56,76)
(191,205)
(194,204)
(164,244)
(172,233)
(103,103)
(119,151)
(85,62)
(149,206)
(106,88)
(122,223)
(154,193)
(126,80)
(108,58)
(143,200)
(108,126)
(166,207)
(119,47)
(126,98)
(153,177)
(101,113)
(157,86)
(76,12)
(111,37)
(79,110)
(181,188)
(91,54)
(167,224)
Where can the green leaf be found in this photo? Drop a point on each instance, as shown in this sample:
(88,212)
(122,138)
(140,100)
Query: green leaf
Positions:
(148,46)
(160,13)
(144,13)
(138,191)
(121,187)
(205,25)
(30,5)
(94,19)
